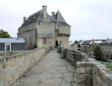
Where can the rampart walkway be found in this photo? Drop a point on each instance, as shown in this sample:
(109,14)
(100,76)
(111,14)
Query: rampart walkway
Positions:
(51,71)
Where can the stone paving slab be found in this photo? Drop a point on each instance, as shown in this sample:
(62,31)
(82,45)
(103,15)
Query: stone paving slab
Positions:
(50,71)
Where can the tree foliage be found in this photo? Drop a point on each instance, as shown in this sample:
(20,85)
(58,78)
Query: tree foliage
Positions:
(4,34)
(98,52)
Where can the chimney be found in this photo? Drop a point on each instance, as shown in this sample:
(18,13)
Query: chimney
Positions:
(53,13)
(93,41)
(24,19)
(44,12)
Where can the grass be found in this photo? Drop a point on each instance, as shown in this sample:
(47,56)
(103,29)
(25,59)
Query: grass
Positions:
(108,65)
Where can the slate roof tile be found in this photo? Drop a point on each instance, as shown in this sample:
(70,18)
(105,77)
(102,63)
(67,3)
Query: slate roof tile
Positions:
(38,17)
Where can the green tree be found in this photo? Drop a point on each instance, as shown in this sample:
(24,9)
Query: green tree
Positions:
(4,34)
(98,52)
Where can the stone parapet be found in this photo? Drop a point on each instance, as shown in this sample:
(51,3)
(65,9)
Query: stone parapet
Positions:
(84,75)
(89,72)
(14,67)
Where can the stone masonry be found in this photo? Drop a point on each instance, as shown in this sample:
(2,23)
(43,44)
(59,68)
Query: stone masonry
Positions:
(53,69)
(50,71)
(42,29)
(14,67)
(88,71)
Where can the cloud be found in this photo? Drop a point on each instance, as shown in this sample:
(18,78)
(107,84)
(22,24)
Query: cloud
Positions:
(88,18)
(94,21)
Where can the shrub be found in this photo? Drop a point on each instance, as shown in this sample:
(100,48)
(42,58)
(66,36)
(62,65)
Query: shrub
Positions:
(98,53)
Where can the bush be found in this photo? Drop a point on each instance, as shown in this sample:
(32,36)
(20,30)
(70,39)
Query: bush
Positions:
(98,53)
(4,34)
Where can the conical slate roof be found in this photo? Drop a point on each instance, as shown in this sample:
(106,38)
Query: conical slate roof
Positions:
(59,17)
(38,17)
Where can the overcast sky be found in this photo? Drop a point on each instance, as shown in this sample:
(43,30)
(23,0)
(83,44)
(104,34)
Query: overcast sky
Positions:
(89,19)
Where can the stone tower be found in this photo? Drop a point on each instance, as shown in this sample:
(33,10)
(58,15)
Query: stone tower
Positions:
(41,29)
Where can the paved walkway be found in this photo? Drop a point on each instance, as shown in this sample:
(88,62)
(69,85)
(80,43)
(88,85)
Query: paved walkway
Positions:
(50,71)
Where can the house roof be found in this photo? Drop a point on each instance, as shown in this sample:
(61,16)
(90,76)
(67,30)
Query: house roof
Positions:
(109,41)
(12,40)
(38,17)
(80,42)
(87,42)
(59,18)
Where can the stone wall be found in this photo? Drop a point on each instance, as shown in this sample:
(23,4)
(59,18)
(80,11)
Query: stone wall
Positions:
(29,33)
(87,49)
(101,75)
(88,72)
(35,32)
(84,74)
(14,67)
